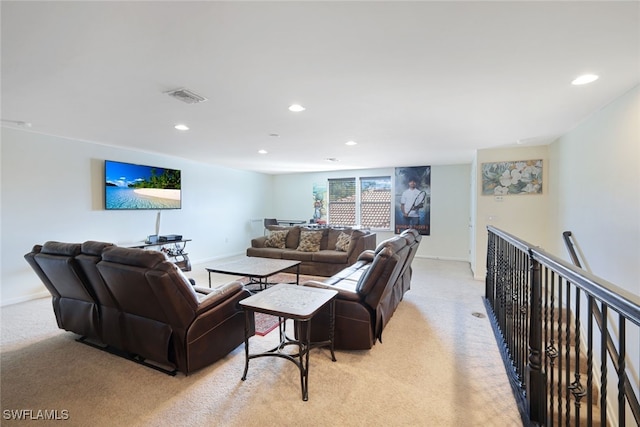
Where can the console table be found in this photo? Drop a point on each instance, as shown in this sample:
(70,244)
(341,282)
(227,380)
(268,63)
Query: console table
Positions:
(174,250)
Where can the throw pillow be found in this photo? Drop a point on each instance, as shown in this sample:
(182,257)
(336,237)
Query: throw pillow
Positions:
(309,241)
(343,242)
(276,239)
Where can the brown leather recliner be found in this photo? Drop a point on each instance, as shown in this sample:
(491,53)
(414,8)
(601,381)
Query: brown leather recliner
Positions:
(365,300)
(90,255)
(162,318)
(74,302)
(403,284)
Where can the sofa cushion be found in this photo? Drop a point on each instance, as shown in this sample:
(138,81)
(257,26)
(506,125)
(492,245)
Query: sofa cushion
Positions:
(295,255)
(293,238)
(342,243)
(324,241)
(61,248)
(133,256)
(92,247)
(310,241)
(273,253)
(276,239)
(330,257)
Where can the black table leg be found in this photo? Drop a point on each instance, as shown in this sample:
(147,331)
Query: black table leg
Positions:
(247,321)
(304,347)
(332,326)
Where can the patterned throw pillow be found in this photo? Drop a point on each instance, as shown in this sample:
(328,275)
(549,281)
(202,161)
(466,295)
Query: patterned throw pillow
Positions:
(343,242)
(276,239)
(309,241)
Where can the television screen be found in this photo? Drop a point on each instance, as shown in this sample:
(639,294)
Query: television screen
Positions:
(129,186)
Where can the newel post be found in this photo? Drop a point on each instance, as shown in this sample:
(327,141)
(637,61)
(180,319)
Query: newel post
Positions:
(535,377)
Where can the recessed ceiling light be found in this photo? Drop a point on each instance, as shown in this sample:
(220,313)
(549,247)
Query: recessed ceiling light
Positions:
(584,79)
(351,143)
(296,108)
(262,151)
(181,127)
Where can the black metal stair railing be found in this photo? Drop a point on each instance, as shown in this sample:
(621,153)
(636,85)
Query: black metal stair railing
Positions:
(610,346)
(563,369)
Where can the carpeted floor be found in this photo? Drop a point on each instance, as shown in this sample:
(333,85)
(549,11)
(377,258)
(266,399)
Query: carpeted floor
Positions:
(438,365)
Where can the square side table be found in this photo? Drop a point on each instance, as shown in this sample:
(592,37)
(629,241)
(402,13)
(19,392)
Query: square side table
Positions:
(291,302)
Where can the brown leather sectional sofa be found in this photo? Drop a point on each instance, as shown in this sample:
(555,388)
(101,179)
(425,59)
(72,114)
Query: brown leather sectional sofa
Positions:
(139,305)
(327,260)
(369,292)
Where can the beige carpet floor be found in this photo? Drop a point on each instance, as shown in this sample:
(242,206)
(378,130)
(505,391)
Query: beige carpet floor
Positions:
(438,365)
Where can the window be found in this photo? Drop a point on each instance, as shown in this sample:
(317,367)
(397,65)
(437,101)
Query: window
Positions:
(375,202)
(368,206)
(342,201)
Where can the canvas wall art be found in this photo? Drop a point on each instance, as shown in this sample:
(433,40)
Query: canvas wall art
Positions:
(506,178)
(319,206)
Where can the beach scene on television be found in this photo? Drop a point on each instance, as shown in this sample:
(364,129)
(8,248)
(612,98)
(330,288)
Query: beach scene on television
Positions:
(129,186)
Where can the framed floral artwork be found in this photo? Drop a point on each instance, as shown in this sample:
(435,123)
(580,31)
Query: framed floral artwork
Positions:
(504,178)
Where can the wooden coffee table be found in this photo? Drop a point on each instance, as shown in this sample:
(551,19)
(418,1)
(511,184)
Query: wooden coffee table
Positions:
(257,269)
(299,303)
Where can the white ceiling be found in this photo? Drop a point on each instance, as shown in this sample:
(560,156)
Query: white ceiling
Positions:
(413,83)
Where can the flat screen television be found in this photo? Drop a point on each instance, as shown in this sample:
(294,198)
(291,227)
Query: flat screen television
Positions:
(131,186)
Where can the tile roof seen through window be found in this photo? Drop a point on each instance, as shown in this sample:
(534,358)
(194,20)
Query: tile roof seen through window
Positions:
(376,196)
(375,210)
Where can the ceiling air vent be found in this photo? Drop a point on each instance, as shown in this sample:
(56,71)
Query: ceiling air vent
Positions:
(185,95)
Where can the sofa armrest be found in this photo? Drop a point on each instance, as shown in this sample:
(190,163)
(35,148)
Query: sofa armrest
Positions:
(214,312)
(202,291)
(345,294)
(367,256)
(361,244)
(258,242)
(216,295)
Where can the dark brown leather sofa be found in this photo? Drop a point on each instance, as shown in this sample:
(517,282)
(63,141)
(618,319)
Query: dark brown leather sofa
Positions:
(139,305)
(369,292)
(324,262)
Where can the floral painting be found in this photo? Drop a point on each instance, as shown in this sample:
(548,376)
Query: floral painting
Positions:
(503,178)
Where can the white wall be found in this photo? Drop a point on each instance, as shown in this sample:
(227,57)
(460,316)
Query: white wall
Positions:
(473,218)
(450,205)
(595,192)
(52,189)
(525,216)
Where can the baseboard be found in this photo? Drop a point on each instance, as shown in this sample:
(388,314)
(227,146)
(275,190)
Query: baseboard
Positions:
(443,258)
(25,298)
(215,258)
